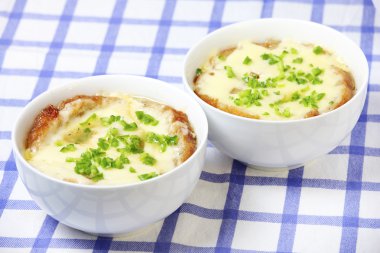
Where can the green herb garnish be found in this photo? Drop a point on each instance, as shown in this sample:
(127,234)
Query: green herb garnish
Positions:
(89,120)
(146,118)
(286,113)
(248,98)
(106,121)
(59,143)
(318,50)
(103,144)
(147,176)
(133,144)
(312,100)
(70,159)
(247,61)
(222,57)
(298,60)
(119,162)
(316,71)
(68,148)
(147,159)
(198,72)
(265,93)
(132,170)
(162,140)
(295,96)
(272,59)
(128,127)
(230,72)
(85,167)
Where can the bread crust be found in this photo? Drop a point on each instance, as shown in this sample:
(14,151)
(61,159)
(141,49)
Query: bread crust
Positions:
(349,86)
(48,118)
(41,125)
(186,133)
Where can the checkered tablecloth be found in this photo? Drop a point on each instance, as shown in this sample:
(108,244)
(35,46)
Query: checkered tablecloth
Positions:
(330,205)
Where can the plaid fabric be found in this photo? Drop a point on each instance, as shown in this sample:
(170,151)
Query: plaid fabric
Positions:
(331,205)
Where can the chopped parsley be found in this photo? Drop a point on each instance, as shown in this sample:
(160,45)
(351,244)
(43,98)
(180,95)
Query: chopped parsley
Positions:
(103,144)
(248,98)
(222,57)
(128,127)
(147,176)
(318,50)
(89,120)
(146,118)
(162,140)
(229,71)
(147,159)
(68,148)
(59,143)
(198,72)
(298,60)
(106,121)
(284,113)
(85,166)
(295,96)
(316,71)
(312,100)
(271,58)
(133,144)
(265,92)
(70,159)
(247,61)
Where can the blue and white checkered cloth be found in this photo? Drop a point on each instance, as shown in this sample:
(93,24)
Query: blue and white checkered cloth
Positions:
(330,205)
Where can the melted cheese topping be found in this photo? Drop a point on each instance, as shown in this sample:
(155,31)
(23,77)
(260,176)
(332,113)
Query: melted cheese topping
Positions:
(48,158)
(214,82)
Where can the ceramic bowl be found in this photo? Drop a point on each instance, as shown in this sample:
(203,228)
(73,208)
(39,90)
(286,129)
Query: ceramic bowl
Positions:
(112,210)
(280,144)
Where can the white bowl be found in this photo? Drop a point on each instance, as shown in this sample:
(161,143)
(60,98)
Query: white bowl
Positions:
(280,144)
(112,210)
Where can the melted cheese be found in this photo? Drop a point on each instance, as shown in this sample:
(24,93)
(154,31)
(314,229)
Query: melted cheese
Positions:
(48,158)
(215,84)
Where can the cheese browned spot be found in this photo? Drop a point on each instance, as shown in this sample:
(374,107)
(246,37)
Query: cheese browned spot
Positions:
(61,134)
(48,119)
(274,80)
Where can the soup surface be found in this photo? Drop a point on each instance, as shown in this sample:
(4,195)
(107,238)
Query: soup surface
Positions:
(109,140)
(274,80)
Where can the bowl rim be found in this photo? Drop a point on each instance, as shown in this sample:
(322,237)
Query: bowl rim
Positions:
(223,29)
(201,143)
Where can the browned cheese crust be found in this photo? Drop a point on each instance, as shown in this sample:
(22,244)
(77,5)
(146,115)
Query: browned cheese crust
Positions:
(41,125)
(349,84)
(186,133)
(48,118)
